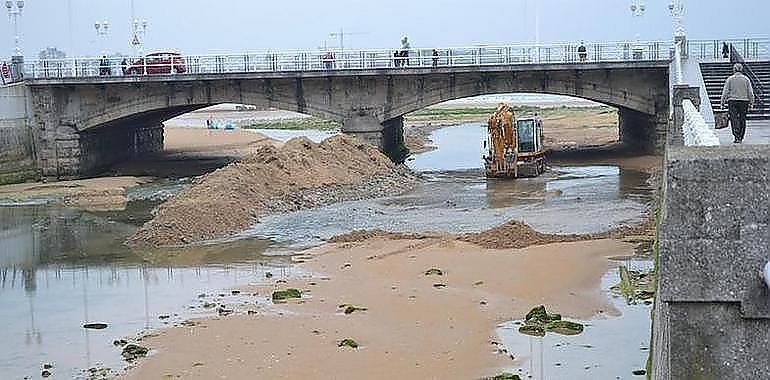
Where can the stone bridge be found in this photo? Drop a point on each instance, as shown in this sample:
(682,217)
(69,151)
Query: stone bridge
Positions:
(83,125)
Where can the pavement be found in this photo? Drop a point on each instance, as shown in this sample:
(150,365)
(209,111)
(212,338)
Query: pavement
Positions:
(757,132)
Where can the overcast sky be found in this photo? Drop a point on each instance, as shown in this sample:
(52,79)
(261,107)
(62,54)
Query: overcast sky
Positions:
(208,26)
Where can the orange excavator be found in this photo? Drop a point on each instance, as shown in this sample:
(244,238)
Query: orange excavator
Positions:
(515,146)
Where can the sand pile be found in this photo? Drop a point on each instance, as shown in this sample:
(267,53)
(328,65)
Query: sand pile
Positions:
(511,235)
(300,174)
(515,234)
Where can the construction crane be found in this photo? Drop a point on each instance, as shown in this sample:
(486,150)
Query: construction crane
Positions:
(341,35)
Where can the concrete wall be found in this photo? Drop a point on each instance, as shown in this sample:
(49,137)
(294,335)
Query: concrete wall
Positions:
(17,161)
(712,315)
(368,104)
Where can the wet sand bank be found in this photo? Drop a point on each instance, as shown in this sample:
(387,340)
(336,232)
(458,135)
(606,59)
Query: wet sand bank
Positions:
(415,326)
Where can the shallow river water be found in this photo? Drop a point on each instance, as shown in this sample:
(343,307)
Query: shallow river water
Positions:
(61,268)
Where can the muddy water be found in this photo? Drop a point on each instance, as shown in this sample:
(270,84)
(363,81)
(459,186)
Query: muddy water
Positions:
(60,268)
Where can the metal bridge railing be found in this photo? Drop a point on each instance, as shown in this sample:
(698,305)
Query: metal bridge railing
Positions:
(295,61)
(331,60)
(749,48)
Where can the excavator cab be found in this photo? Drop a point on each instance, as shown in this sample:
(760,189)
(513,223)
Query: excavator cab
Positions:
(529,133)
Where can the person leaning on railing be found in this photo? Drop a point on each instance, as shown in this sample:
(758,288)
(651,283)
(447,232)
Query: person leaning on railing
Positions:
(739,96)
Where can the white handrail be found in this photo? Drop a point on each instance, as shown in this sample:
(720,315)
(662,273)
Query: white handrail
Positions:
(694,129)
(678,63)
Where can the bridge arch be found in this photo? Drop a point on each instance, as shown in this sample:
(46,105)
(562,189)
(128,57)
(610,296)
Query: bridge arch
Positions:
(84,125)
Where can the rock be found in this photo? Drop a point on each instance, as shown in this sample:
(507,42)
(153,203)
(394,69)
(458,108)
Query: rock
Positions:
(164,316)
(268,275)
(95,326)
(209,305)
(47,366)
(639,372)
(283,295)
(132,352)
(235,292)
(434,272)
(45,373)
(347,342)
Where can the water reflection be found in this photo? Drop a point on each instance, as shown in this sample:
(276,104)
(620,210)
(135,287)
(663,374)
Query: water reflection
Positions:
(61,268)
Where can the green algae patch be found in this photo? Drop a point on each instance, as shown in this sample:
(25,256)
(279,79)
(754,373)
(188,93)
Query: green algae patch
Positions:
(532,330)
(539,315)
(538,322)
(506,376)
(283,295)
(350,309)
(434,272)
(347,342)
(564,327)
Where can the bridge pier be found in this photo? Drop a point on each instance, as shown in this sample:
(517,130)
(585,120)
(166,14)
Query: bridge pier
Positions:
(388,136)
(641,132)
(67,153)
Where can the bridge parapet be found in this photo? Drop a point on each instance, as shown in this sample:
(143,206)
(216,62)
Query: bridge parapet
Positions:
(339,60)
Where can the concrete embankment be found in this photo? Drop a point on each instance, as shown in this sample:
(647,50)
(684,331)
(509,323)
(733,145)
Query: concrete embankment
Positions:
(17,162)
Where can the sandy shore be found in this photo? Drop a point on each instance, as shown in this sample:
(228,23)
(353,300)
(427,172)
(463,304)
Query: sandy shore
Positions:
(413,328)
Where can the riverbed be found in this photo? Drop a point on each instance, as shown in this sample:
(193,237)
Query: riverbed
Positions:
(61,268)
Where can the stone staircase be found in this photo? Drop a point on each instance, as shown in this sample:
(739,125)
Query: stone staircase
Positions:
(715,74)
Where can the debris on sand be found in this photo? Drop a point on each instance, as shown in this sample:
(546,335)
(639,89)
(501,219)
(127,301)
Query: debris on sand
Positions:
(350,309)
(347,342)
(300,174)
(506,376)
(132,352)
(283,295)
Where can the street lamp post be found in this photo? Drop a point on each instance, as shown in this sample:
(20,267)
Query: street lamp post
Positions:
(102,29)
(638,9)
(17,60)
(677,12)
(676,7)
(14,13)
(140,29)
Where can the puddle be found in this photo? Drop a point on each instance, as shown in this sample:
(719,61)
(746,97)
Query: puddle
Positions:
(608,348)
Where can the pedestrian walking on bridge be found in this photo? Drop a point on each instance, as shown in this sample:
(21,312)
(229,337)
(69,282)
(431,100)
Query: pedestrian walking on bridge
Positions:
(739,96)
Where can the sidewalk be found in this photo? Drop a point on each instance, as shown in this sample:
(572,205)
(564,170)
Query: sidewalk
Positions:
(757,132)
